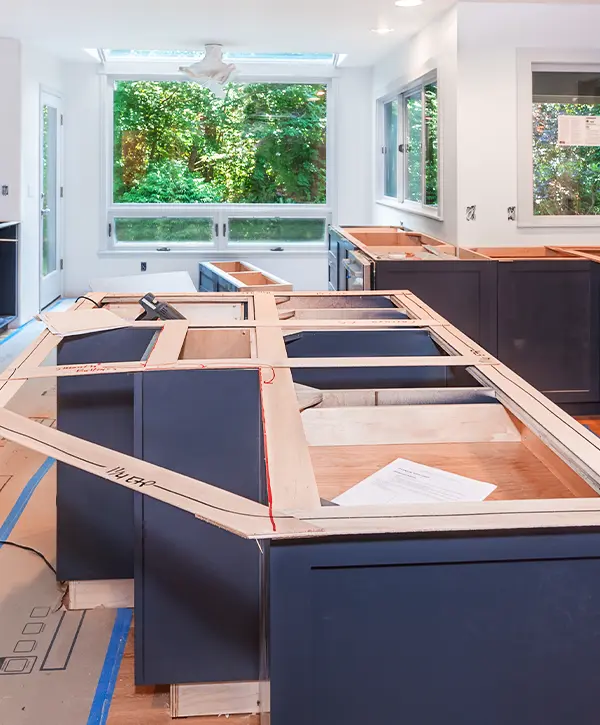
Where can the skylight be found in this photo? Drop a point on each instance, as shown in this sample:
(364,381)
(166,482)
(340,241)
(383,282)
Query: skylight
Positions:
(166,55)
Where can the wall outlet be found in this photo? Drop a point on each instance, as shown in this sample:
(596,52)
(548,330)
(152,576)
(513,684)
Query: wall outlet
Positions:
(143,266)
(5,190)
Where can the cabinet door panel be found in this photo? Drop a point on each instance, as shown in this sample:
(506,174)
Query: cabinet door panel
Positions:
(548,326)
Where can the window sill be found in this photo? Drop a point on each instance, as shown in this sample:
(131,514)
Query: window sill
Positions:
(208,254)
(408,209)
(574,222)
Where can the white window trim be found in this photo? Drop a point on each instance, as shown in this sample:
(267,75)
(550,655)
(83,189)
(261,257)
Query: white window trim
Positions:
(541,59)
(220,212)
(400,202)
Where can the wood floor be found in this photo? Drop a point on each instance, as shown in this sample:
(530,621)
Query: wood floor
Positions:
(150,705)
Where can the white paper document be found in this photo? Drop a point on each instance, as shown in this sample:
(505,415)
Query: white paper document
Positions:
(579,130)
(407,482)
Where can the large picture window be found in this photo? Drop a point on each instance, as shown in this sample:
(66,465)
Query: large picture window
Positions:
(566,157)
(185,160)
(411,148)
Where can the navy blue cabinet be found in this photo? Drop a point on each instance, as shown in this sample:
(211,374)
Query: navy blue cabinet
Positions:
(372,343)
(462,291)
(197,587)
(549,326)
(95,538)
(9,235)
(461,631)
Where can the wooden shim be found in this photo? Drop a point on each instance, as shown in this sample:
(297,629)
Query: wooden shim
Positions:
(289,466)
(101,594)
(234,513)
(220,698)
(409,424)
(169,343)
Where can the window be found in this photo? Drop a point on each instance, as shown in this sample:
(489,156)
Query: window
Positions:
(391,145)
(411,147)
(184,162)
(566,151)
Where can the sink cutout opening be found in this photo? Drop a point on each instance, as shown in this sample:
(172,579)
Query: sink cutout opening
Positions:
(217,344)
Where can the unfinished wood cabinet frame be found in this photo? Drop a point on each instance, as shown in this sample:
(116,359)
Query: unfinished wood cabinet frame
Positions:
(294,510)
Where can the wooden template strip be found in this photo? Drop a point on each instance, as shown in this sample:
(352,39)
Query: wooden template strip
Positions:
(224,509)
(101,594)
(237,363)
(578,447)
(33,356)
(584,513)
(290,471)
(169,343)
(406,424)
(218,698)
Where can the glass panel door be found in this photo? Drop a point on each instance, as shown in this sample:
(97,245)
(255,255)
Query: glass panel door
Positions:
(50,262)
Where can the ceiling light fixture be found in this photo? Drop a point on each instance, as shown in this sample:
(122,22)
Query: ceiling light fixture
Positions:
(382,31)
(408,3)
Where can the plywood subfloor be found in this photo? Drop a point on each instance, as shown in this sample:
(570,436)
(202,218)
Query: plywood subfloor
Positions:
(510,466)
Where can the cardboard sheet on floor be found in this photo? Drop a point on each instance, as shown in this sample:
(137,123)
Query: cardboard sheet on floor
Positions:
(50,659)
(141,284)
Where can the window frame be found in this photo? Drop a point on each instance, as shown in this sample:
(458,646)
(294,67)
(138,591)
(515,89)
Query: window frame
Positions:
(529,61)
(219,212)
(401,201)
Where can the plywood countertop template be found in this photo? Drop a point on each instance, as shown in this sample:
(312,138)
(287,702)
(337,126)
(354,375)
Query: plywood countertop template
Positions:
(524,431)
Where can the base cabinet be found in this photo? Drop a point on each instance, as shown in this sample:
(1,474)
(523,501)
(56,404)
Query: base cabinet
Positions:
(197,587)
(460,631)
(549,327)
(463,292)
(95,538)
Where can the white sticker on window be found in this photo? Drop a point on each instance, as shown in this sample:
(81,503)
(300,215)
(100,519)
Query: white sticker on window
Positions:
(579,130)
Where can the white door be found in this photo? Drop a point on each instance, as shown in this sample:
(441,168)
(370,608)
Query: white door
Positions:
(50,199)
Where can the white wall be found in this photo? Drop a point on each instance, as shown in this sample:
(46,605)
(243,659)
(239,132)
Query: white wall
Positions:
(10,128)
(25,70)
(38,71)
(86,220)
(433,48)
(489,35)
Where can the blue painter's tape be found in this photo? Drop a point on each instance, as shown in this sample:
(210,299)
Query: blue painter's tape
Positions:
(9,523)
(110,670)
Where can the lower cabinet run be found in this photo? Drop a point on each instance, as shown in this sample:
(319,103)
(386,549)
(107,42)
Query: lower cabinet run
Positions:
(448,611)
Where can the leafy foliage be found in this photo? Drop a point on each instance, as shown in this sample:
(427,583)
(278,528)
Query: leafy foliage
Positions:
(176,142)
(566,179)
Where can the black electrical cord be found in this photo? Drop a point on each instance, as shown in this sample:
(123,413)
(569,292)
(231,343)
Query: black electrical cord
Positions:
(89,299)
(33,551)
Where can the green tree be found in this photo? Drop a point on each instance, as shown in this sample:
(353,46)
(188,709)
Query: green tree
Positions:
(566,179)
(176,142)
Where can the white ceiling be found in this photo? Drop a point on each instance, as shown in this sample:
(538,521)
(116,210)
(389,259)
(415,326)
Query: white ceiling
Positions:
(334,26)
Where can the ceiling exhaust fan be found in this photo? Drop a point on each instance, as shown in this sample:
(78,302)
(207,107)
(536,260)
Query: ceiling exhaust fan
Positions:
(211,71)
